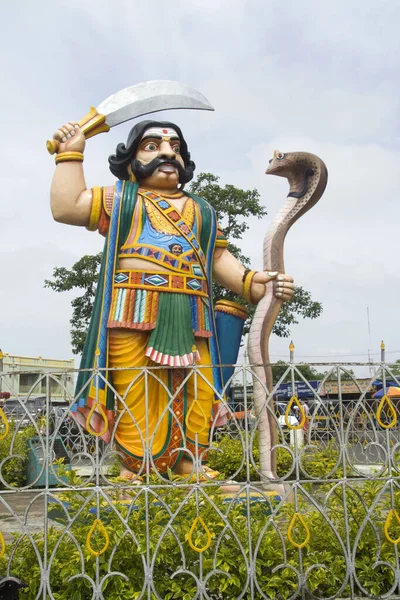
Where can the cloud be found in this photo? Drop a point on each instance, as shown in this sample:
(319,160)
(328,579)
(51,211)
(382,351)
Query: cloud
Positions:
(322,77)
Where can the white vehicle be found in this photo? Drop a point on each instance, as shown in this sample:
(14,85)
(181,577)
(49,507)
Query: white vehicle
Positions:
(290,419)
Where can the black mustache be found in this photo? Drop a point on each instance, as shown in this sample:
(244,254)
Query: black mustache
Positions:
(141,171)
(144,170)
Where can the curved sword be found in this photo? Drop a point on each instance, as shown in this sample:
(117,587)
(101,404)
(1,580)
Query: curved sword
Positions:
(136,101)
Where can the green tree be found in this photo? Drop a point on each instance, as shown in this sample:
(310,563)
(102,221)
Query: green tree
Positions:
(83,275)
(307,371)
(233,206)
(395,368)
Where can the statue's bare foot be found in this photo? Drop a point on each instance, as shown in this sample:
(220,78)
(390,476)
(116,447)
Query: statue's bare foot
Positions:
(133,479)
(129,475)
(184,467)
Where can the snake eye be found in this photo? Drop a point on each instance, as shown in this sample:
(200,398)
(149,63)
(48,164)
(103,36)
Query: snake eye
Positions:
(280,156)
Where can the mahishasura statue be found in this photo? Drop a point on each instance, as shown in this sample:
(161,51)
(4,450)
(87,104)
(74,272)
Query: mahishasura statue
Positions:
(154,306)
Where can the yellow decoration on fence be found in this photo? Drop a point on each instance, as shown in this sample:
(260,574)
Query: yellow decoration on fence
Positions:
(293,523)
(192,425)
(101,412)
(3,418)
(386,400)
(2,545)
(199,520)
(97,525)
(295,400)
(392,513)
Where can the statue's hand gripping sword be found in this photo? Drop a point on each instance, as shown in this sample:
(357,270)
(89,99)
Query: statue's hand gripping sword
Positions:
(136,101)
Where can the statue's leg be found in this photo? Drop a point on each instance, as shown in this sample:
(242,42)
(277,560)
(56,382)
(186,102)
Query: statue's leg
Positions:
(200,400)
(189,407)
(136,426)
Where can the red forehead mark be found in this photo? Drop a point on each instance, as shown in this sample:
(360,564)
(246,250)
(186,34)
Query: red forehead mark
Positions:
(165,130)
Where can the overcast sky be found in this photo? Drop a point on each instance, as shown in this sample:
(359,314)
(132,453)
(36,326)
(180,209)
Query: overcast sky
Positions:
(314,76)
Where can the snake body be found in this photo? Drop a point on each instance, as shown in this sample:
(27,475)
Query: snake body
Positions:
(307,176)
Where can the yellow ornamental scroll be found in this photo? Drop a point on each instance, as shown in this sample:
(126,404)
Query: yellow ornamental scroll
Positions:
(101,412)
(298,521)
(97,527)
(387,404)
(204,529)
(295,400)
(392,514)
(2,545)
(193,425)
(4,422)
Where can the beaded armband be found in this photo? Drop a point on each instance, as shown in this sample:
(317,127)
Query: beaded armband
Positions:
(221,241)
(247,282)
(97,202)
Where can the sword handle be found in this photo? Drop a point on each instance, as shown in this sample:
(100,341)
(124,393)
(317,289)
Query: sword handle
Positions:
(92,124)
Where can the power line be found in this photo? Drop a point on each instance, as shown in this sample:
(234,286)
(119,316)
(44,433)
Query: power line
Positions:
(368,354)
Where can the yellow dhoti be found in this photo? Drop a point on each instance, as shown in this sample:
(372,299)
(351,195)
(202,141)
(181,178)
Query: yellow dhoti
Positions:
(155,411)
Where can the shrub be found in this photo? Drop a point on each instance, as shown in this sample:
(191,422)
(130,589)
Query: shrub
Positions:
(139,534)
(152,531)
(14,469)
(229,459)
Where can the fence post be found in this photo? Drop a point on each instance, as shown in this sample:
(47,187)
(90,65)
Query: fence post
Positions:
(296,438)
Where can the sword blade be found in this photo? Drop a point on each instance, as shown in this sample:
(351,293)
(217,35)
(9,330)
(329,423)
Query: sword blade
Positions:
(148,97)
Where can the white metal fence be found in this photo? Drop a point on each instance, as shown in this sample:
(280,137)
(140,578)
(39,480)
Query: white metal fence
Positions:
(328,527)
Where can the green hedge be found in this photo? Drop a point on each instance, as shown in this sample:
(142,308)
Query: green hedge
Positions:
(14,468)
(321,461)
(274,565)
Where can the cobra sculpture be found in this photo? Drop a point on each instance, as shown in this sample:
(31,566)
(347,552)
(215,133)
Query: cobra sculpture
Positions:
(307,176)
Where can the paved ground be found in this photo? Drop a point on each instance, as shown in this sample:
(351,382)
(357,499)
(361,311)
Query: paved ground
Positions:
(19,502)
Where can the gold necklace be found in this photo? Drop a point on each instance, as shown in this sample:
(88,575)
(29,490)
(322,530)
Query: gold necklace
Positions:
(162,224)
(176,195)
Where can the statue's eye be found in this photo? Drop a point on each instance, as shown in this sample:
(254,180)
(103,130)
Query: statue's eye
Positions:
(280,155)
(176,148)
(150,147)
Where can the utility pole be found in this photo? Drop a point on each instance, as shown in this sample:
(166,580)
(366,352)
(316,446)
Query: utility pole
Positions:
(370,361)
(1,368)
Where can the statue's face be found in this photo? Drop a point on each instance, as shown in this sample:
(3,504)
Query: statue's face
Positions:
(161,144)
(176,249)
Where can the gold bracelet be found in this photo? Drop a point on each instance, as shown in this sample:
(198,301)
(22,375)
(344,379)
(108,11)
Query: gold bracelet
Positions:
(248,280)
(95,212)
(69,156)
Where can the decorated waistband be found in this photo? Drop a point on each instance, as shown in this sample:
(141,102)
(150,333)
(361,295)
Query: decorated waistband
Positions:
(189,262)
(162,282)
